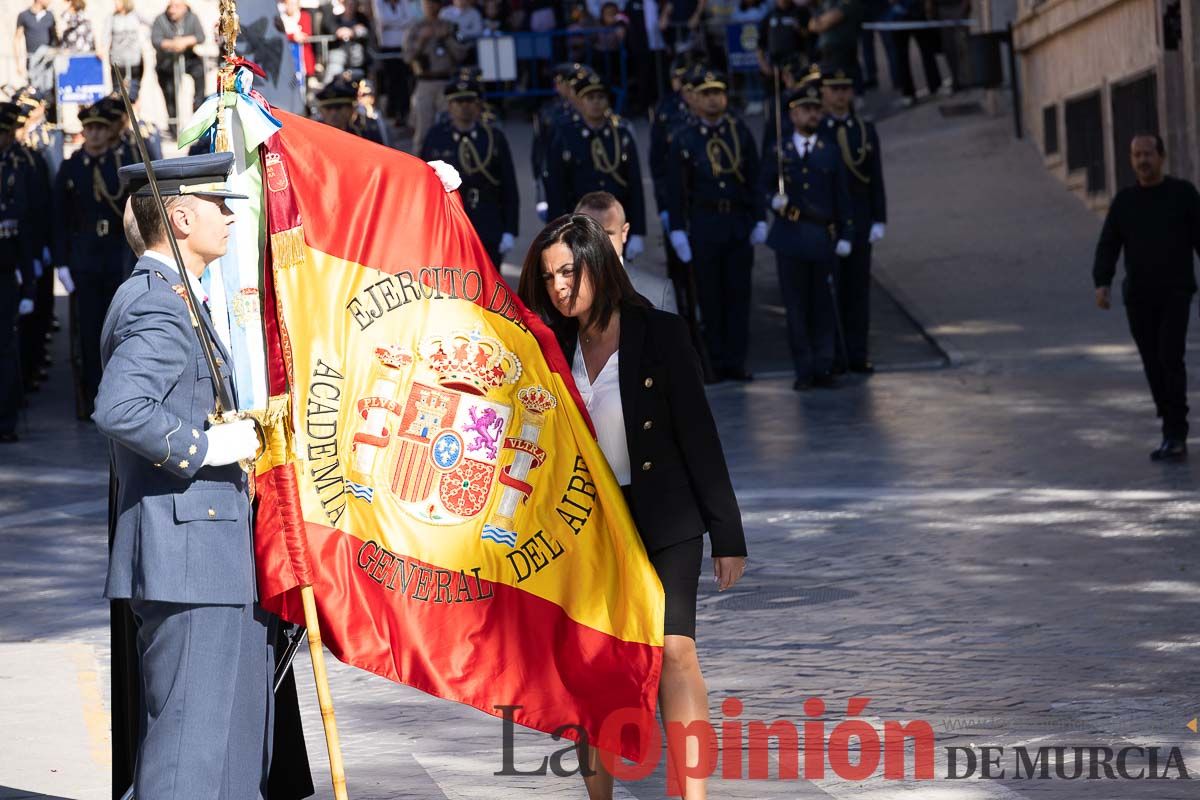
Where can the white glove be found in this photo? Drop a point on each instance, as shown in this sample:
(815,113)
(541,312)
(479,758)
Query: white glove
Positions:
(665,219)
(876,233)
(634,247)
(38,269)
(25,307)
(778,202)
(230,442)
(543,210)
(64,277)
(506,243)
(759,234)
(843,248)
(683,249)
(447,174)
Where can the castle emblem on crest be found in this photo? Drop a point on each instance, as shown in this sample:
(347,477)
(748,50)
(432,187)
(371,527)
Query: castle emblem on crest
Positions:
(434,430)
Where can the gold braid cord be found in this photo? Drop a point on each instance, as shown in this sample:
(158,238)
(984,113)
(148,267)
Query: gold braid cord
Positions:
(600,159)
(852,164)
(468,156)
(100,188)
(228,26)
(718,147)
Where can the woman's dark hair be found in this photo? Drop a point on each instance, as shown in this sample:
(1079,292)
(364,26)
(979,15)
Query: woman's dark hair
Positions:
(594,257)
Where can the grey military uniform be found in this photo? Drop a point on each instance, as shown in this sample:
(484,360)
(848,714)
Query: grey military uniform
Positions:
(182,552)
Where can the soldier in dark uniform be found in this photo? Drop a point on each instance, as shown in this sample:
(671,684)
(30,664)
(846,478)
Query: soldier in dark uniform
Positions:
(89,240)
(555,112)
(39,141)
(335,106)
(123,132)
(812,228)
(16,262)
(597,153)
(858,144)
(717,216)
(481,154)
(672,113)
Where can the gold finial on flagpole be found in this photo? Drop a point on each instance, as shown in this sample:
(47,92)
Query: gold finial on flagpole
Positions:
(228,26)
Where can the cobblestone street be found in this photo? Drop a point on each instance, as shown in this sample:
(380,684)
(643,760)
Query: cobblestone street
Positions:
(984,546)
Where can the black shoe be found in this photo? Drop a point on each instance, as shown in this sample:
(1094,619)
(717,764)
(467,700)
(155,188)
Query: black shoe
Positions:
(824,380)
(801,385)
(738,374)
(1170,450)
(9,437)
(862,368)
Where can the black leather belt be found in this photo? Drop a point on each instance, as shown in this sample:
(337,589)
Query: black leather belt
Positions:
(794,214)
(723,206)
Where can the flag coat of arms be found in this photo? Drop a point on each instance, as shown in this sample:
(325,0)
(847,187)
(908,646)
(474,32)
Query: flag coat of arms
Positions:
(432,475)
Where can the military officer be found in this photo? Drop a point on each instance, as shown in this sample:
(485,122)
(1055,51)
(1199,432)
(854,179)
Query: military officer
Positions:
(182,549)
(812,228)
(88,241)
(858,144)
(481,154)
(556,112)
(17,178)
(717,216)
(671,113)
(122,131)
(597,153)
(335,106)
(41,145)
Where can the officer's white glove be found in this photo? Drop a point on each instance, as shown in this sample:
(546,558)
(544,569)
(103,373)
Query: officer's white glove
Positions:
(506,243)
(25,307)
(843,248)
(543,210)
(759,234)
(683,248)
(634,247)
(778,202)
(447,174)
(230,442)
(876,233)
(665,219)
(38,269)
(64,277)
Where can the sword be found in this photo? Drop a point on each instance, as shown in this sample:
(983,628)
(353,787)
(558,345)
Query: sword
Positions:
(779,137)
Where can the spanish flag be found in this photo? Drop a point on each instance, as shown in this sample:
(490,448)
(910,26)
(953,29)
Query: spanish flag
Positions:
(431,472)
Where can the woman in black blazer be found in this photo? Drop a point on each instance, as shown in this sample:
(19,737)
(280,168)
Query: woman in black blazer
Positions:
(654,425)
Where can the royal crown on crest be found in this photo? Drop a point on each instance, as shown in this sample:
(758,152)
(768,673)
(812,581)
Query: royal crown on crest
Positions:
(536,399)
(469,361)
(394,356)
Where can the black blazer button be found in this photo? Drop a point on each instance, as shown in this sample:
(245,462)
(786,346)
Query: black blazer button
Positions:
(646,466)
(648,424)
(648,382)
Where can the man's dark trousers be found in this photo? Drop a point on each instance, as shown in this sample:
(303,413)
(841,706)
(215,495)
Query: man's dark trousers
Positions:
(723,284)
(1159,326)
(854,299)
(810,320)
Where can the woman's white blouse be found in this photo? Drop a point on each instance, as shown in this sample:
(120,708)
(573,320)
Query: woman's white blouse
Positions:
(603,402)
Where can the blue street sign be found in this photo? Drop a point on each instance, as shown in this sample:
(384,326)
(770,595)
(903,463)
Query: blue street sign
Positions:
(741,39)
(82,81)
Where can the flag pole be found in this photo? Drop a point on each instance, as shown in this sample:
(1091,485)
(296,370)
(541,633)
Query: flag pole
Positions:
(229,27)
(324,699)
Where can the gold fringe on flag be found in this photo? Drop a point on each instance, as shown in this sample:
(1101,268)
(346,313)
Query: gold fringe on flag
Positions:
(276,431)
(287,247)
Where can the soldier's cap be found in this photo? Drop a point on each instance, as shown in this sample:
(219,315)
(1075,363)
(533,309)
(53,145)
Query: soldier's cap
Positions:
(796,67)
(806,94)
(680,66)
(694,74)
(570,71)
(337,93)
(469,73)
(463,89)
(711,79)
(28,98)
(365,86)
(98,113)
(204,175)
(588,83)
(834,76)
(113,106)
(10,116)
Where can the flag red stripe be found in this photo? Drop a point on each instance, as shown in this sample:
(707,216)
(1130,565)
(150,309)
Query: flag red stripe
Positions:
(362,620)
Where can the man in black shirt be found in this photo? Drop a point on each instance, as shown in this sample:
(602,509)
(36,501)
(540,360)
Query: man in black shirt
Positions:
(1157,224)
